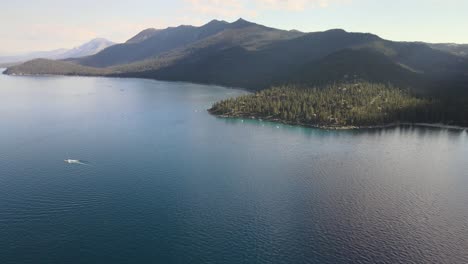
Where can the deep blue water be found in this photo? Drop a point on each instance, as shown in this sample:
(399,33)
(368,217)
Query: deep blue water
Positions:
(168,183)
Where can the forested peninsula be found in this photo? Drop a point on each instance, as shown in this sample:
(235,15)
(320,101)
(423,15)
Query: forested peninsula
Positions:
(343,106)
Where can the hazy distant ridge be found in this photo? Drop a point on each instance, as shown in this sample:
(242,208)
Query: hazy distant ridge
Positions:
(253,56)
(89,48)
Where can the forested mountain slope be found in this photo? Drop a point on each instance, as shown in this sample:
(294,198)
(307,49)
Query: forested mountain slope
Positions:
(245,54)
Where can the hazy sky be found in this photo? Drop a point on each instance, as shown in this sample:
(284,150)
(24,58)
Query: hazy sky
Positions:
(30,25)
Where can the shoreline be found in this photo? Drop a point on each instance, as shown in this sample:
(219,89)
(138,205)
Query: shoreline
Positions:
(3,72)
(279,121)
(324,127)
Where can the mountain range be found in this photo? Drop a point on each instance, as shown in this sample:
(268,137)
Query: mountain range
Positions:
(456,49)
(252,56)
(89,48)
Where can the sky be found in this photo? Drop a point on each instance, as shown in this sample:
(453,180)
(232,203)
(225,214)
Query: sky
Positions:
(36,25)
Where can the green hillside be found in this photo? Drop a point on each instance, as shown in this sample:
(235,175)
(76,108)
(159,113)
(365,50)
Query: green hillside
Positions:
(342,106)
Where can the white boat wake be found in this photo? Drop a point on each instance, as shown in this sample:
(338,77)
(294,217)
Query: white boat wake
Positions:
(77,162)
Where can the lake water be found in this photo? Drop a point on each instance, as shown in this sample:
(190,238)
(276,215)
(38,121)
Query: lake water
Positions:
(165,182)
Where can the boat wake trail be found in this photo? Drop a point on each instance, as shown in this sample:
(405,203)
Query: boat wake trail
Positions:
(77,162)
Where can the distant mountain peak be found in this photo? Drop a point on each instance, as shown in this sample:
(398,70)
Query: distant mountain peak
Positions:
(242,23)
(215,24)
(98,39)
(295,31)
(336,30)
(89,48)
(143,35)
(216,21)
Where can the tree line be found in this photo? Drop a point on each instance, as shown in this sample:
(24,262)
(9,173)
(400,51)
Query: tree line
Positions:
(344,104)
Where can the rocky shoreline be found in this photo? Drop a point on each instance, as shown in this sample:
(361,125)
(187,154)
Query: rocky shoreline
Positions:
(328,127)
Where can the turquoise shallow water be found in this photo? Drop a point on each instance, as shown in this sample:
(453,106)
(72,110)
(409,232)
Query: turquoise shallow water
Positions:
(165,182)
